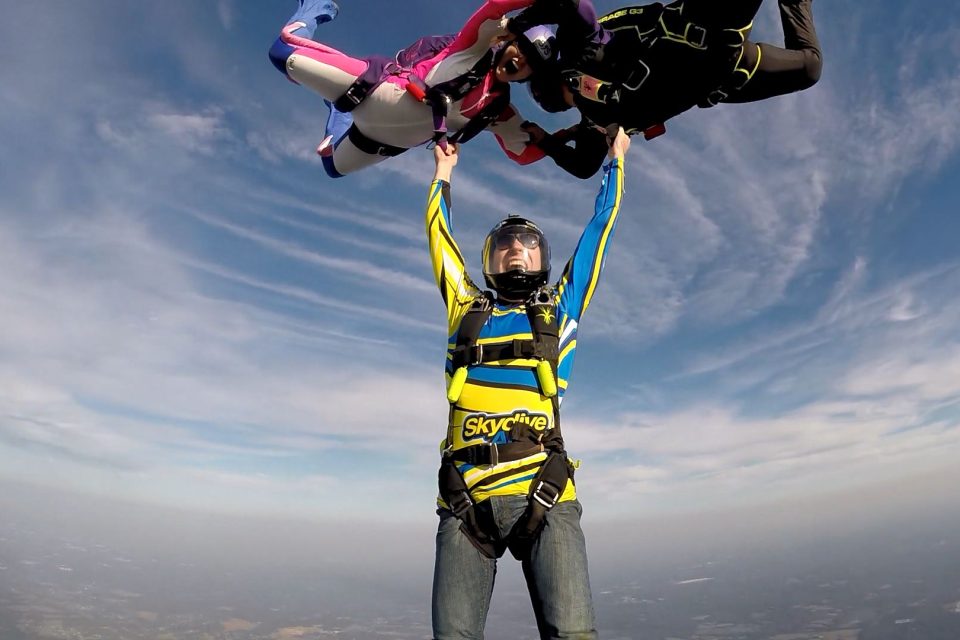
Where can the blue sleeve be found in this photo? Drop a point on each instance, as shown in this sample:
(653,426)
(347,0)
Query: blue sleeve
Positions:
(582,272)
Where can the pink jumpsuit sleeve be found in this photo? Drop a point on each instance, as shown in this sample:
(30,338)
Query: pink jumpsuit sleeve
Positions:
(514,141)
(492,10)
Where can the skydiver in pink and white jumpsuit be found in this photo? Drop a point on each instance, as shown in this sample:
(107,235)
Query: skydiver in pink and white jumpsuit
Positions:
(478,63)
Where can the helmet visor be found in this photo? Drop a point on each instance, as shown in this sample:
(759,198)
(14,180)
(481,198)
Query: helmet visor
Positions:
(516,248)
(538,44)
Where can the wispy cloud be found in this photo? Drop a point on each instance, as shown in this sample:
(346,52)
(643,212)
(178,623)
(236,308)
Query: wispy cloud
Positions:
(225,10)
(192,132)
(189,304)
(363,272)
(802,407)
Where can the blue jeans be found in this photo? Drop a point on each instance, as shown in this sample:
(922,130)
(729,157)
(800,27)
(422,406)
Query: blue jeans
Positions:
(555,571)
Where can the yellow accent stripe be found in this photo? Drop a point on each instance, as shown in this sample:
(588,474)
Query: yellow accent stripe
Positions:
(509,311)
(515,336)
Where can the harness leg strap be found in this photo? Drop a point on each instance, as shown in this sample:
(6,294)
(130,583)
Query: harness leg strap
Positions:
(545,492)
(453,491)
(371,146)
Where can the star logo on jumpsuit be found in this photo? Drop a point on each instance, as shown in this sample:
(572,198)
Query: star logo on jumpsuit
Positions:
(546,315)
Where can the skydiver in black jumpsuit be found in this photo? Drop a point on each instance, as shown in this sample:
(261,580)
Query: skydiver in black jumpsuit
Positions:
(638,66)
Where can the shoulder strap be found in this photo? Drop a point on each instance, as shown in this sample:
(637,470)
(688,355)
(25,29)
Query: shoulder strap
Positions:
(465,351)
(457,88)
(488,115)
(542,314)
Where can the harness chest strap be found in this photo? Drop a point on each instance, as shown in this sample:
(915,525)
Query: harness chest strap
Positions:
(543,346)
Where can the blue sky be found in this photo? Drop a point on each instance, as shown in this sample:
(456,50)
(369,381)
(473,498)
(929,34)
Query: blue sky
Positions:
(193,314)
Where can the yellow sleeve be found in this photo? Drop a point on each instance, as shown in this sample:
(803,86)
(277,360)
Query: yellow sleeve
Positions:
(449,269)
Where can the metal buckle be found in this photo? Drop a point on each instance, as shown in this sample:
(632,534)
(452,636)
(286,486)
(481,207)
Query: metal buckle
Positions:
(550,500)
(716,96)
(350,94)
(640,73)
(697,29)
(478,358)
(494,454)
(462,504)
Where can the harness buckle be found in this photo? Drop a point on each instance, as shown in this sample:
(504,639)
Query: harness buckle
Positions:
(494,454)
(546,494)
(460,502)
(714,98)
(637,76)
(695,35)
(351,95)
(476,354)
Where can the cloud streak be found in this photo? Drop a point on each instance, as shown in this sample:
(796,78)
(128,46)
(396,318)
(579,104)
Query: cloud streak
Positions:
(191,306)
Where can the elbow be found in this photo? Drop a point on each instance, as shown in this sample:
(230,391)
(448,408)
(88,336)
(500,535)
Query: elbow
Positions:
(575,165)
(582,170)
(812,68)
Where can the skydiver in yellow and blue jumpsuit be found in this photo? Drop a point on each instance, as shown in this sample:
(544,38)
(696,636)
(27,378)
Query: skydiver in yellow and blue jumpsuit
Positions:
(503,431)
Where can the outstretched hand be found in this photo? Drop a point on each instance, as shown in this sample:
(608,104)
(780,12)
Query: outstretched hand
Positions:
(536,132)
(446,159)
(619,144)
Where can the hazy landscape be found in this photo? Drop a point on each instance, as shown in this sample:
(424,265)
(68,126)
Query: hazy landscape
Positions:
(81,569)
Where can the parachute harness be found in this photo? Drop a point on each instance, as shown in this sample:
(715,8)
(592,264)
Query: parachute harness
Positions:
(551,480)
(438,97)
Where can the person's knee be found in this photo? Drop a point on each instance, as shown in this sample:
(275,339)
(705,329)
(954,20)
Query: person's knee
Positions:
(279,53)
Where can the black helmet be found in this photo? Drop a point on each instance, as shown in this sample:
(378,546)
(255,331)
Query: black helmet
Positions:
(546,88)
(518,281)
(539,46)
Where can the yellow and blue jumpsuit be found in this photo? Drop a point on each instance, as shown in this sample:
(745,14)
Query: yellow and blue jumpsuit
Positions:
(500,393)
(496,396)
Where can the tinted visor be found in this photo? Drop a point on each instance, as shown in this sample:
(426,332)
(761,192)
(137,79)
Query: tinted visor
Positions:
(526,239)
(512,246)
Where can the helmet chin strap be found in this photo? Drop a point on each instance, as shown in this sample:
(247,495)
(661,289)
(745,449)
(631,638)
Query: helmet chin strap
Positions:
(514,293)
(509,296)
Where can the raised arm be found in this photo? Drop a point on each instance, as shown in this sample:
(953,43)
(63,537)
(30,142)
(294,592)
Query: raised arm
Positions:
(582,272)
(584,157)
(449,268)
(513,138)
